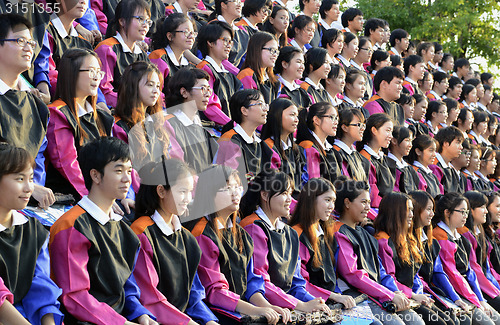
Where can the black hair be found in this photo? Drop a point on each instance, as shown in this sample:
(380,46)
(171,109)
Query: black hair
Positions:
(349,37)
(423,46)
(345,118)
(411,61)
(378,56)
(286,55)
(437,47)
(439,76)
(14,159)
(460,63)
(100,152)
(448,135)
(372,24)
(349,15)
(396,60)
(479,117)
(185,78)
(251,7)
(326,5)
(405,99)
(314,59)
(374,121)
(421,142)
(9,21)
(300,22)
(453,82)
(306,122)
(450,104)
(397,34)
(485,76)
(473,81)
(446,56)
(399,133)
(210,33)
(466,90)
(449,202)
(241,98)
(348,189)
(433,107)
(268,27)
(462,116)
(334,73)
(125,10)
(387,74)
(166,25)
(329,36)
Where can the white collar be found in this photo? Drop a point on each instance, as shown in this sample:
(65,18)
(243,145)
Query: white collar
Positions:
(435,94)
(344,61)
(185,120)
(400,163)
(294,43)
(326,145)
(221,226)
(335,100)
(285,145)
(289,85)
(171,56)
(434,130)
(245,136)
(480,175)
(477,231)
(262,215)
(318,86)
(410,80)
(96,212)
(354,64)
(481,106)
(319,231)
(221,18)
(126,49)
(348,30)
(219,69)
(372,152)
(164,227)
(424,236)
(177,7)
(350,101)
(474,135)
(393,49)
(455,235)
(342,145)
(441,160)
(17,219)
(325,24)
(83,111)
(432,65)
(427,170)
(22,83)
(56,21)
(473,176)
(250,24)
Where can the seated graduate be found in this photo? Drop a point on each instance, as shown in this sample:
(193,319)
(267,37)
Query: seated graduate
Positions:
(74,120)
(188,94)
(26,274)
(491,232)
(129,27)
(18,104)
(226,268)
(358,264)
(354,91)
(404,174)
(318,65)
(436,116)
(414,68)
(94,245)
(276,245)
(421,156)
(166,268)
(288,157)
(8,314)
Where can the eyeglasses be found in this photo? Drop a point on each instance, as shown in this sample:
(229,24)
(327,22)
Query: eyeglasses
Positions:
(232,189)
(187,33)
(94,74)
(206,90)
(272,50)
(334,118)
(259,103)
(143,20)
(21,41)
(466,153)
(464,212)
(236,2)
(359,125)
(226,41)
(265,11)
(367,50)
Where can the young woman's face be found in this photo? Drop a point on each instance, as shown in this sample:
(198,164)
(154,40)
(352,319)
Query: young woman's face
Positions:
(16,189)
(357,89)
(490,164)
(179,195)
(220,49)
(359,207)
(73,9)
(383,135)
(280,21)
(442,87)
(200,94)
(324,205)
(475,161)
(262,14)
(438,56)
(280,203)
(268,58)
(365,53)
(441,115)
(232,8)
(472,96)
(427,214)
(149,89)
(427,156)
(458,216)
(385,63)
(339,82)
(480,128)
(480,91)
(453,115)
(355,129)
(448,64)
(338,45)
(404,147)
(409,110)
(409,213)
(494,209)
(179,39)
(463,159)
(289,120)
(479,215)
(256,113)
(228,198)
(306,34)
(492,128)
(329,122)
(350,50)
(86,86)
(137,31)
(429,54)
(420,110)
(334,13)
(323,71)
(295,67)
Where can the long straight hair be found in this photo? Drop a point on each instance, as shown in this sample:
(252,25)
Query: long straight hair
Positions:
(253,59)
(420,201)
(305,216)
(69,72)
(476,200)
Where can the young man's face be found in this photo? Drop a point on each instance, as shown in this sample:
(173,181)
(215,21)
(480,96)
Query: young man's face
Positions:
(392,89)
(312,6)
(463,71)
(333,13)
(377,35)
(14,57)
(417,71)
(402,44)
(356,25)
(453,149)
(115,181)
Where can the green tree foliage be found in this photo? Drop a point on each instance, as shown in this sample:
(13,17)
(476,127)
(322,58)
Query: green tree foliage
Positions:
(466,28)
